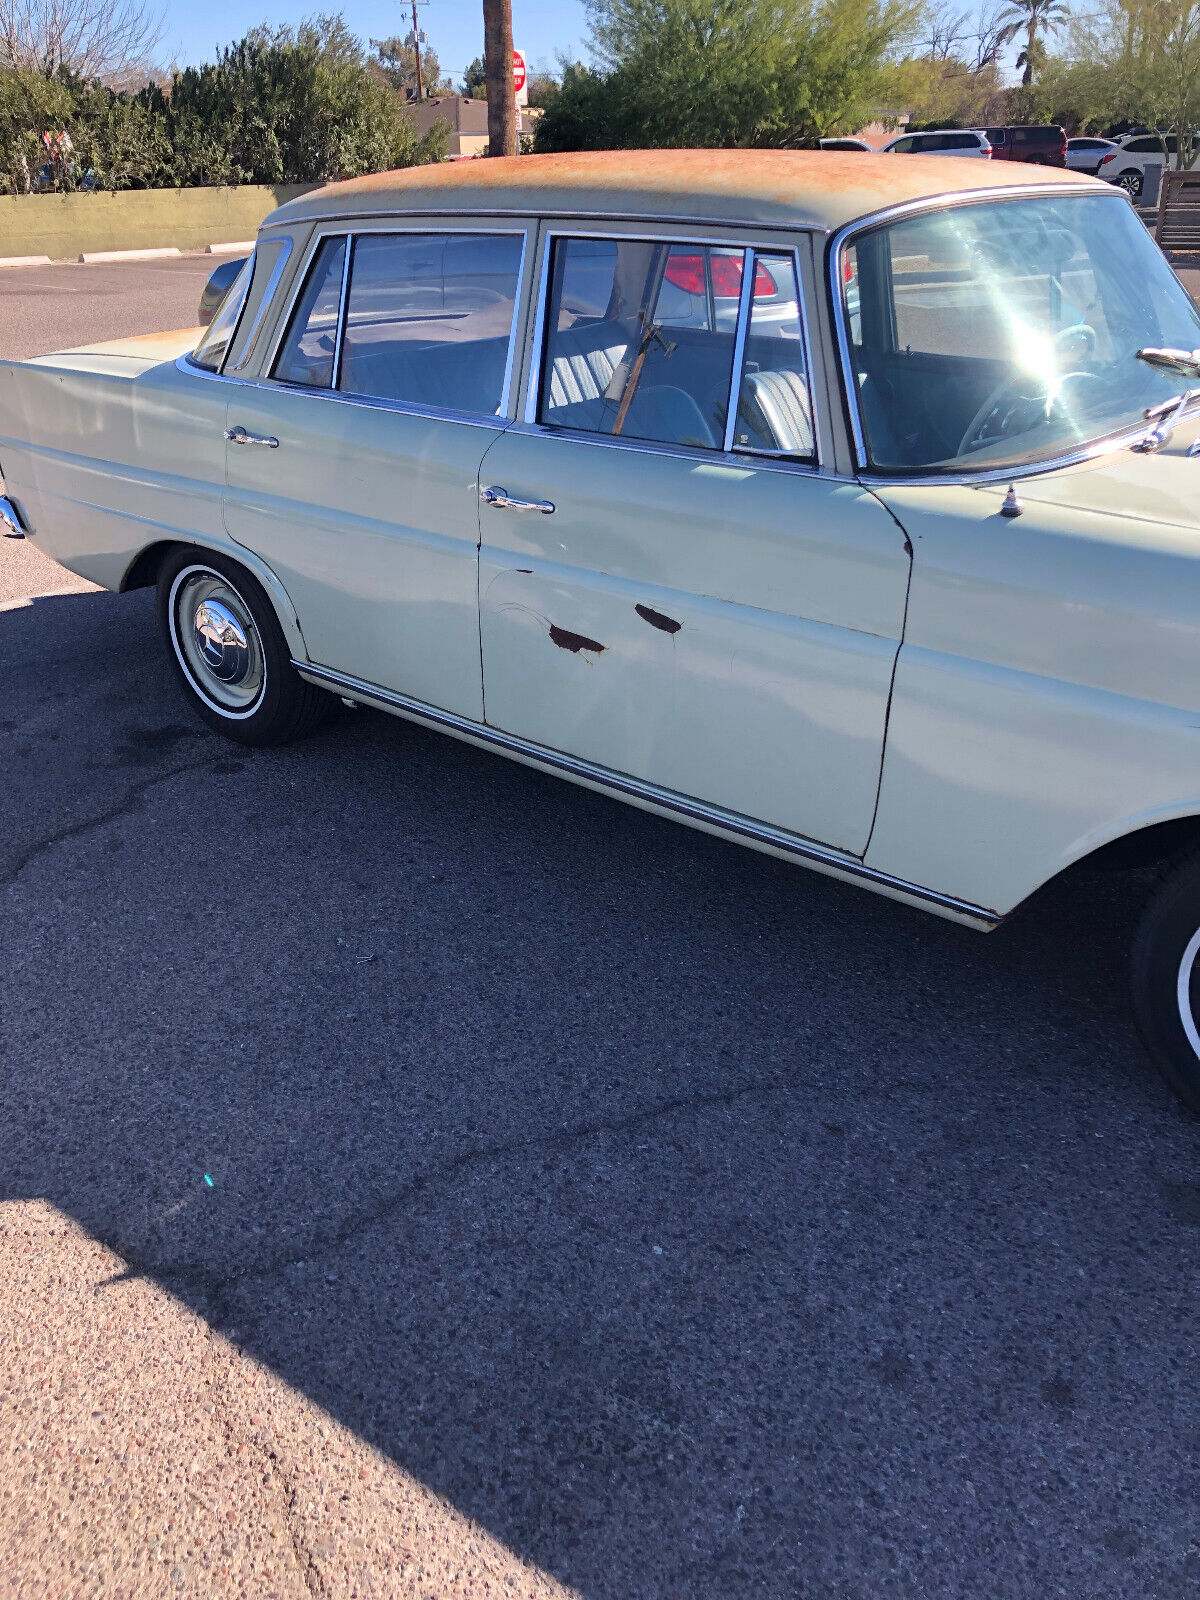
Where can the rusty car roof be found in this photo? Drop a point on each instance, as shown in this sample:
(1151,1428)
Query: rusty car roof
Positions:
(789,188)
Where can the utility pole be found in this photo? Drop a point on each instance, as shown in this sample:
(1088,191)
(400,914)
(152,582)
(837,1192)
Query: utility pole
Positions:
(498,70)
(417,48)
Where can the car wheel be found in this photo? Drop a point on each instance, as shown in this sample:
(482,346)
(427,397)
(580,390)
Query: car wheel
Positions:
(1166,978)
(227,648)
(1131,181)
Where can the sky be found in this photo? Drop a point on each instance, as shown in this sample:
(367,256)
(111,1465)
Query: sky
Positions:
(193,32)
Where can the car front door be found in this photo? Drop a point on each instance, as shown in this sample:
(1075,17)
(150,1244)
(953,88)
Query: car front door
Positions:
(353,469)
(671,592)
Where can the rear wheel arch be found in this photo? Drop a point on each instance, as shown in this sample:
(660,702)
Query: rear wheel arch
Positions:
(143,572)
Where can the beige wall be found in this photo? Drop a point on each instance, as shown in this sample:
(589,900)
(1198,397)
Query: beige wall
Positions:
(63,226)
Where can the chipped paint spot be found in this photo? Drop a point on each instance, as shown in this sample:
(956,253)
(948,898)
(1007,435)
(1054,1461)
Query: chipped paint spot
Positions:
(658,619)
(574,642)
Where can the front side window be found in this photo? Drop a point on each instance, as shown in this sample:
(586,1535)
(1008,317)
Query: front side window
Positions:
(639,339)
(210,352)
(307,353)
(429,318)
(996,334)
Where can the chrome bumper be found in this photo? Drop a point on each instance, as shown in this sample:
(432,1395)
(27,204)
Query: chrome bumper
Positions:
(10,520)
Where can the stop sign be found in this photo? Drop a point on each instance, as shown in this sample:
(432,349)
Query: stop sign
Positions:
(518,71)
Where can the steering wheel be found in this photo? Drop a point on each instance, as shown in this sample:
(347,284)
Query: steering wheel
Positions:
(1011,409)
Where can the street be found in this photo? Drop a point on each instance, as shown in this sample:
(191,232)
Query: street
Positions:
(421,1176)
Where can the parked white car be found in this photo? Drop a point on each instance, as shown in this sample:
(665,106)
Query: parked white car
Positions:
(903,585)
(942,142)
(1086,151)
(847,143)
(1126,165)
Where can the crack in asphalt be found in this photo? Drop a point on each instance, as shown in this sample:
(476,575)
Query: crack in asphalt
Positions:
(124,807)
(282,1480)
(218,1287)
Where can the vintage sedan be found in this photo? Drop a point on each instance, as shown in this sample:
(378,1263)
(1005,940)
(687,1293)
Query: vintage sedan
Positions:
(839,505)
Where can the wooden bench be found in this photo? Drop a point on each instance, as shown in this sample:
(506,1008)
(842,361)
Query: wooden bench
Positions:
(1178,225)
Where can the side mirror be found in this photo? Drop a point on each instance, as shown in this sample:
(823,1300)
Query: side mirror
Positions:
(217,287)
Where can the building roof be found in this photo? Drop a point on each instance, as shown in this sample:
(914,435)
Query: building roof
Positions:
(790,188)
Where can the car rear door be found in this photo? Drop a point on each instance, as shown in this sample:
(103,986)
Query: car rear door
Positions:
(352,469)
(669,593)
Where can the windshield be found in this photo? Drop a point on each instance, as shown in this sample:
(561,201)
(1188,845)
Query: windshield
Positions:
(994,335)
(210,352)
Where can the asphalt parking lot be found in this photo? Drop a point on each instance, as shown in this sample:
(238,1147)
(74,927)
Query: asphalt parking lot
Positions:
(455,1182)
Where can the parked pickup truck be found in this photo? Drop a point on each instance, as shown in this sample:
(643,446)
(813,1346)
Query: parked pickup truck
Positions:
(843,506)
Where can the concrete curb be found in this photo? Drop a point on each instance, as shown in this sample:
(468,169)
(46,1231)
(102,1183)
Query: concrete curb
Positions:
(24,261)
(90,256)
(230,249)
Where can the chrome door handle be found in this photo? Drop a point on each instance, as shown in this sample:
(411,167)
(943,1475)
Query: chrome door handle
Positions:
(501,498)
(240,436)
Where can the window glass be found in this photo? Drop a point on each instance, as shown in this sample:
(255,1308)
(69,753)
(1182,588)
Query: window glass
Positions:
(990,334)
(774,407)
(210,352)
(639,339)
(306,355)
(902,147)
(270,258)
(429,318)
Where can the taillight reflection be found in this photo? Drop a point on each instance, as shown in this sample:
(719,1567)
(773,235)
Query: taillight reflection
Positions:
(687,273)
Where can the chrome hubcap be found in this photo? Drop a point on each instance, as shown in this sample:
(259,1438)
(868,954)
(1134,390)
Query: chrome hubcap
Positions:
(217,642)
(221,642)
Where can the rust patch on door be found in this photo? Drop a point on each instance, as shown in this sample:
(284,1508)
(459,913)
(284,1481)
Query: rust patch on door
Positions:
(658,619)
(574,642)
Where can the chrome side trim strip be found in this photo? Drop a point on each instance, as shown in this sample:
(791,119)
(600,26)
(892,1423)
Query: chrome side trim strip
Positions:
(729,822)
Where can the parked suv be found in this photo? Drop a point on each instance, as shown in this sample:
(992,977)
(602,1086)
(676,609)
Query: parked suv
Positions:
(1041,147)
(941,142)
(1126,165)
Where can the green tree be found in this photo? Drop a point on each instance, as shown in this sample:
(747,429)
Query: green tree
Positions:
(1037,20)
(395,61)
(474,81)
(291,105)
(723,72)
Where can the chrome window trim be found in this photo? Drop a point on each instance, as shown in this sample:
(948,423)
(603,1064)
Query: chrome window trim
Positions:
(732,823)
(541,310)
(873,478)
(413,408)
(339,333)
(285,255)
(741,328)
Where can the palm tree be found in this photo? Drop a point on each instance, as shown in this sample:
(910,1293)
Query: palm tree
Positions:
(498,68)
(1033,18)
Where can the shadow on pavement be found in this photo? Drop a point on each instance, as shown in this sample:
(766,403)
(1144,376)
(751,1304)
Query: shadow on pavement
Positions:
(698,1225)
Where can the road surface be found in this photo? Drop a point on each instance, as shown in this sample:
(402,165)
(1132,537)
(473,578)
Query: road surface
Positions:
(421,1177)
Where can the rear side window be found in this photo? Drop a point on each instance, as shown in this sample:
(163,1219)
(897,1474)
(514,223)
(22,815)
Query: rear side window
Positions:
(640,342)
(639,339)
(308,349)
(429,318)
